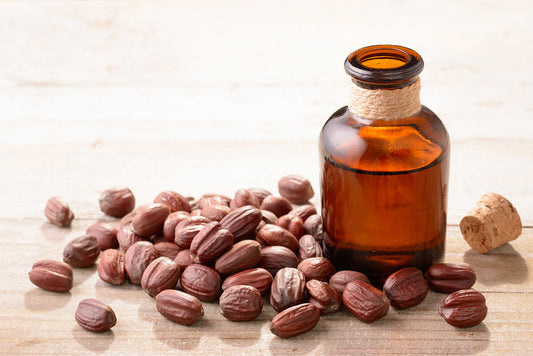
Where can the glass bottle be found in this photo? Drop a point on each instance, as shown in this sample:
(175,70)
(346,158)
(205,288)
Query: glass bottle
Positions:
(384,162)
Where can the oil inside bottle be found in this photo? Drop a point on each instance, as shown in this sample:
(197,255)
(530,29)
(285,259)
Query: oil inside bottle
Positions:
(383,193)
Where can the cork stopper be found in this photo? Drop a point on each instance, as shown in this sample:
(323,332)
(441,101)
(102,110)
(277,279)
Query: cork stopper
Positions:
(491,223)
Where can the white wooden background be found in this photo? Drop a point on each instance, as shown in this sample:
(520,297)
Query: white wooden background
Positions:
(211,96)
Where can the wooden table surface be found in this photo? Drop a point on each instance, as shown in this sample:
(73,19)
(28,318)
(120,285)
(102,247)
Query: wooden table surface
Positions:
(212,96)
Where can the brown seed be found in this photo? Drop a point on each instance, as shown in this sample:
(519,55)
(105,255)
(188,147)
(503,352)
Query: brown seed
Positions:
(364,301)
(308,247)
(259,278)
(105,233)
(260,193)
(241,303)
(150,220)
(169,227)
(253,234)
(212,241)
(128,218)
(111,267)
(293,223)
(174,201)
(326,298)
(313,226)
(51,275)
(450,277)
(209,200)
(463,308)
(201,281)
(304,211)
(81,252)
(93,315)
(274,235)
(167,249)
(58,212)
(117,201)
(162,273)
(215,212)
(341,278)
(288,289)
(269,217)
(192,201)
(295,320)
(274,258)
(244,197)
(155,239)
(319,268)
(296,189)
(138,257)
(242,221)
(179,307)
(243,255)
(187,229)
(406,288)
(213,199)
(278,205)
(183,259)
(126,237)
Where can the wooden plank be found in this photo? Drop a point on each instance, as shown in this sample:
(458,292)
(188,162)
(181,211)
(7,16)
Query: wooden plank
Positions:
(39,321)
(80,172)
(216,96)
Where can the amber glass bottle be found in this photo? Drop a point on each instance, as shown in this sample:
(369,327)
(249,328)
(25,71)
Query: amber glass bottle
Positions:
(384,162)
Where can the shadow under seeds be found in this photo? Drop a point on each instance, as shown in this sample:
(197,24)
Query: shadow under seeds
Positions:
(147,310)
(82,274)
(241,333)
(467,341)
(181,337)
(53,233)
(127,292)
(307,342)
(38,299)
(470,341)
(95,342)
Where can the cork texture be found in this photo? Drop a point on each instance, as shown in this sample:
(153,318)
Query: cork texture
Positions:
(491,223)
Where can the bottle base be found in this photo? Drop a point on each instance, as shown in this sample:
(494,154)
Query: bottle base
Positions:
(378,265)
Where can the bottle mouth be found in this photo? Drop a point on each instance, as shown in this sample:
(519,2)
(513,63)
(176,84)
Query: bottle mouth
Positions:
(384,64)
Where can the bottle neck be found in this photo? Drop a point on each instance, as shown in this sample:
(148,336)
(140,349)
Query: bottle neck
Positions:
(388,103)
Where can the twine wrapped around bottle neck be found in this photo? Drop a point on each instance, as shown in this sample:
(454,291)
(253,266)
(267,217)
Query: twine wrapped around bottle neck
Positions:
(384,104)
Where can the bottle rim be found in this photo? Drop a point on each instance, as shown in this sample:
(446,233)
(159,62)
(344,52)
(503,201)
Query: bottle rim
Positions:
(384,64)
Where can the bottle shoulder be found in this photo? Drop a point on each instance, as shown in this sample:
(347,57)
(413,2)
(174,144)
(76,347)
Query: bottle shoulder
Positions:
(384,145)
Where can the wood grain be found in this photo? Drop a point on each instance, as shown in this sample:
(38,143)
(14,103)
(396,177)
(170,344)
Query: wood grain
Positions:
(162,95)
(43,322)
